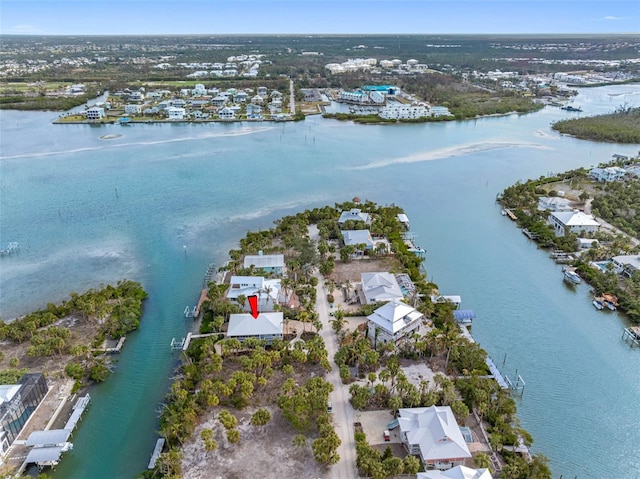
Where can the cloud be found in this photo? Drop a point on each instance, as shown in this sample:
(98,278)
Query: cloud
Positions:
(24,29)
(611,17)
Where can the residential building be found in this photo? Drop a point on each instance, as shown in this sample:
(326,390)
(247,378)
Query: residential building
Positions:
(136,96)
(564,222)
(626,264)
(132,109)
(267,326)
(398,111)
(358,237)
(17,403)
(267,290)
(433,434)
(262,91)
(378,287)
(226,113)
(404,220)
(219,100)
(553,203)
(176,113)
(354,215)
(95,113)
(458,472)
(439,111)
(240,97)
(604,175)
(270,263)
(393,322)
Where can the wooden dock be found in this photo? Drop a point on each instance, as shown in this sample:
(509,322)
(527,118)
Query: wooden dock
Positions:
(510,214)
(156,453)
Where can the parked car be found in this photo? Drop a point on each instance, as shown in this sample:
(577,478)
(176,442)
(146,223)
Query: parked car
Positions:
(386,436)
(330,408)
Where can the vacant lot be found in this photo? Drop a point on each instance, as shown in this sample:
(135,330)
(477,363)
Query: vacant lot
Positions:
(351,271)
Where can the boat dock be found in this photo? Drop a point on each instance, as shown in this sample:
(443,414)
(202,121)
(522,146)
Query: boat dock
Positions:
(156,453)
(510,214)
(632,335)
(76,413)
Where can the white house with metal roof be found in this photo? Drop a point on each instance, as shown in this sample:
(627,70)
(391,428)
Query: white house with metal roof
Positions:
(564,222)
(553,203)
(267,326)
(354,214)
(270,263)
(267,291)
(626,264)
(357,237)
(379,287)
(610,173)
(458,472)
(393,322)
(433,434)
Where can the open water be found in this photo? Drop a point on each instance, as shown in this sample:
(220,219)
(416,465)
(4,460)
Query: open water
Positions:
(161,202)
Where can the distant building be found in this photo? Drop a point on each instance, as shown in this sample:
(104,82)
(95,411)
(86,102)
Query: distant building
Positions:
(176,113)
(605,175)
(404,112)
(553,203)
(95,113)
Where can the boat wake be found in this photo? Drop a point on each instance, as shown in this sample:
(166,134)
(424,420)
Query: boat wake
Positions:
(448,153)
(242,132)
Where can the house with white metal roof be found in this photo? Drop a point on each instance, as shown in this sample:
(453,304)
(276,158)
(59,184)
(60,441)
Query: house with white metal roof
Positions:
(564,222)
(267,326)
(553,203)
(433,434)
(354,214)
(357,237)
(379,287)
(267,291)
(393,322)
(404,220)
(270,263)
(604,175)
(626,264)
(458,472)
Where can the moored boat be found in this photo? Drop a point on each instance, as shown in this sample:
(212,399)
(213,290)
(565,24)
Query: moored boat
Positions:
(571,276)
(597,303)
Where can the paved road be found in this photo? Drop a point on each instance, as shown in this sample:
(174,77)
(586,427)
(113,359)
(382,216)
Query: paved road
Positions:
(343,412)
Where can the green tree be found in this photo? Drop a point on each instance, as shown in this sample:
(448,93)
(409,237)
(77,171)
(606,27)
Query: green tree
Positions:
(261,417)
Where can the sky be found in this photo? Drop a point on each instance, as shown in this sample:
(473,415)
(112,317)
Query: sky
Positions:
(150,17)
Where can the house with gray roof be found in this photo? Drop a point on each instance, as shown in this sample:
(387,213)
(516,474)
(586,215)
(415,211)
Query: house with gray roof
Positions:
(270,263)
(354,214)
(564,222)
(393,322)
(626,264)
(378,287)
(357,237)
(267,326)
(433,434)
(267,291)
(458,472)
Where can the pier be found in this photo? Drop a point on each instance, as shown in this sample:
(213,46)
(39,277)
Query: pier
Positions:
(510,214)
(632,335)
(156,453)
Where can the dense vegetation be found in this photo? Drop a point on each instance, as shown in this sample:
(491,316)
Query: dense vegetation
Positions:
(615,202)
(112,311)
(622,126)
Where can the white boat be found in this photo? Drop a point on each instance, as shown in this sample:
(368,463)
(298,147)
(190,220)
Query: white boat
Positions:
(610,305)
(597,304)
(572,276)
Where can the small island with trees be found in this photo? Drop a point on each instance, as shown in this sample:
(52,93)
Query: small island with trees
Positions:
(621,126)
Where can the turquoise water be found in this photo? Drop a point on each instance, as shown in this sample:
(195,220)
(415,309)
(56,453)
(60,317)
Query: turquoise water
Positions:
(163,201)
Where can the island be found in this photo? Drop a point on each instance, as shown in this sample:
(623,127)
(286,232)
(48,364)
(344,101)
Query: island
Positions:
(321,342)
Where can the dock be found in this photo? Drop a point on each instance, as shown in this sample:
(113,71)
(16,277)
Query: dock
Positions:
(76,413)
(156,453)
(510,214)
(632,335)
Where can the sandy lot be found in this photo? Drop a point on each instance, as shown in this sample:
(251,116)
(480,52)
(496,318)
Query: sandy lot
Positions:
(351,270)
(263,451)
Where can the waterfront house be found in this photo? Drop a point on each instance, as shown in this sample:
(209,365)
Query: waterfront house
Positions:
(398,111)
(564,222)
(176,113)
(354,215)
(393,322)
(376,287)
(358,237)
(626,264)
(254,111)
(267,291)
(178,103)
(404,220)
(605,175)
(267,326)
(226,114)
(458,472)
(269,263)
(132,109)
(95,113)
(553,203)
(433,434)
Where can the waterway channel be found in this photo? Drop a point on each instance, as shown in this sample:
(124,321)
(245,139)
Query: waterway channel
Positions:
(161,202)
